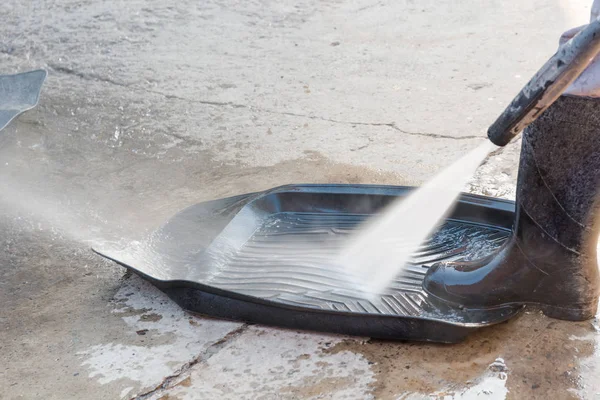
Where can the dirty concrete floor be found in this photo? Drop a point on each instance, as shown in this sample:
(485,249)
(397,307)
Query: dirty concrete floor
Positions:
(151,107)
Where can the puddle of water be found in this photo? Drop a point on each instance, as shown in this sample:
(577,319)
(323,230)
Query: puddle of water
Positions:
(589,385)
(490,386)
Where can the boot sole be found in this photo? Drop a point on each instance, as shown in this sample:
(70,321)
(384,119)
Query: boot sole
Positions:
(578,312)
(573,312)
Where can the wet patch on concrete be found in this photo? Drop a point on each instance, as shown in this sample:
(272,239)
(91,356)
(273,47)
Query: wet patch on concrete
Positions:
(268,363)
(587,368)
(490,385)
(542,361)
(169,339)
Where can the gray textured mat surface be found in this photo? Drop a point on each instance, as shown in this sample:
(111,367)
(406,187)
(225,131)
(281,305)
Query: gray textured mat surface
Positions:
(290,259)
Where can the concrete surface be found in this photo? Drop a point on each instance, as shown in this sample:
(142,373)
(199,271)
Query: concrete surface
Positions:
(150,107)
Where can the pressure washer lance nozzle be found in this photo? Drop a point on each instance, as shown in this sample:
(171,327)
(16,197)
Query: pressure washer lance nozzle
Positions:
(546,86)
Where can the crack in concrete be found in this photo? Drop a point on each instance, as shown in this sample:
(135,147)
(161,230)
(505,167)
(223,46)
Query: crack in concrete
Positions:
(436,135)
(95,77)
(173,380)
(84,76)
(387,124)
(314,117)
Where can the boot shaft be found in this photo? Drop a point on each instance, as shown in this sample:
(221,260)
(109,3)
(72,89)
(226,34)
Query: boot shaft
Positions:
(558,190)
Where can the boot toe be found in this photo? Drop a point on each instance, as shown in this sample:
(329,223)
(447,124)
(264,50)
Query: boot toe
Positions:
(444,281)
(435,280)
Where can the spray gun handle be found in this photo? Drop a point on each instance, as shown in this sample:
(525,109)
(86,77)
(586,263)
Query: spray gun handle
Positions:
(546,86)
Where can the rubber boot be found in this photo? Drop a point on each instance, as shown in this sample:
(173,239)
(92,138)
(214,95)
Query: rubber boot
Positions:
(550,258)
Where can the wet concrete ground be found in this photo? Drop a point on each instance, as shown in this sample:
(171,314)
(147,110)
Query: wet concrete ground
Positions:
(151,107)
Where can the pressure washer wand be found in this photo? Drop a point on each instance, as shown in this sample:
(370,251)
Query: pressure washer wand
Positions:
(546,86)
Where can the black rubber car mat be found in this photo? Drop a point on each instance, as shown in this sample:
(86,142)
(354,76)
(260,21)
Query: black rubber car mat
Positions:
(19,93)
(266,258)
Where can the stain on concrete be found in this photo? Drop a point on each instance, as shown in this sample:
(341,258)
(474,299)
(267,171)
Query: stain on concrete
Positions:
(153,317)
